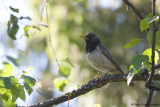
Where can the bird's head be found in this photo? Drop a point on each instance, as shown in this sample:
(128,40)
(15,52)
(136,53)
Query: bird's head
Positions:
(91,38)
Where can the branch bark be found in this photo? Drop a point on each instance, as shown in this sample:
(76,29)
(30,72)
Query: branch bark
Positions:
(149,84)
(91,85)
(138,14)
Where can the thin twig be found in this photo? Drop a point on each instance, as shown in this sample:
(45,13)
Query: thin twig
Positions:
(153,47)
(149,98)
(50,39)
(138,14)
(149,82)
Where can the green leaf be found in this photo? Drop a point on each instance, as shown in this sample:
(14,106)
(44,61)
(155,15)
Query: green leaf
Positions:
(7,70)
(2,85)
(148,52)
(31,81)
(22,93)
(132,43)
(64,71)
(149,37)
(143,25)
(150,19)
(60,84)
(137,61)
(133,68)
(22,17)
(14,80)
(147,65)
(7,82)
(12,27)
(26,29)
(13,19)
(158,40)
(12,30)
(69,61)
(14,10)
(28,88)
(6,96)
(14,60)
(15,92)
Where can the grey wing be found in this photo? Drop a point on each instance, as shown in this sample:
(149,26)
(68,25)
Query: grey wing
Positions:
(109,56)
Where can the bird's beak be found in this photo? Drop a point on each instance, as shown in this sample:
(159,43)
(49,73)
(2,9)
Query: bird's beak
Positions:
(84,37)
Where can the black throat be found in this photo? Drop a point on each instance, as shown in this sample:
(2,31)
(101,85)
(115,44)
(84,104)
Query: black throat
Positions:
(91,46)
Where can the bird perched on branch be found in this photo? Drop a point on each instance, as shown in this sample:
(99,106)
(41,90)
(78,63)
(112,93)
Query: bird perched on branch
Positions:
(99,57)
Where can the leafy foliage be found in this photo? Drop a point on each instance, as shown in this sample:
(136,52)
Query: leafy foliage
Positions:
(14,9)
(132,43)
(64,71)
(137,61)
(60,84)
(12,27)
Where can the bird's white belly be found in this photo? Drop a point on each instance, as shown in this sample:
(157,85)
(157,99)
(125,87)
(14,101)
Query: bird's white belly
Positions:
(98,61)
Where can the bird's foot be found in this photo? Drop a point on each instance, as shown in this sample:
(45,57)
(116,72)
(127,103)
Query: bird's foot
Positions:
(95,77)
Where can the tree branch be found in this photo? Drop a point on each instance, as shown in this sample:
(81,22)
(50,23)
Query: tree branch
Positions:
(138,14)
(153,48)
(91,85)
(149,82)
(149,98)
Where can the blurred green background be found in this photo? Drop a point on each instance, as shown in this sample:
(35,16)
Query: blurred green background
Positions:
(68,20)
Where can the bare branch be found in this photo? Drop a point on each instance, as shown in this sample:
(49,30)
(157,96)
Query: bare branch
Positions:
(153,47)
(149,98)
(91,85)
(138,14)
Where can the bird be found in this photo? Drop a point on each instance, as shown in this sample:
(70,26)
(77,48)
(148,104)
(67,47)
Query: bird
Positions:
(99,57)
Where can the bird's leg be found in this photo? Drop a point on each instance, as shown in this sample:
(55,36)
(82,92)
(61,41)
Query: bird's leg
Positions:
(96,75)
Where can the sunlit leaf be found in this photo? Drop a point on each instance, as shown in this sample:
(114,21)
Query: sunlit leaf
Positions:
(150,19)
(14,9)
(149,37)
(158,40)
(7,70)
(64,71)
(15,92)
(2,85)
(7,82)
(22,93)
(147,65)
(143,25)
(13,80)
(148,52)
(26,29)
(28,88)
(137,61)
(31,81)
(97,105)
(60,84)
(14,60)
(6,96)
(30,69)
(132,43)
